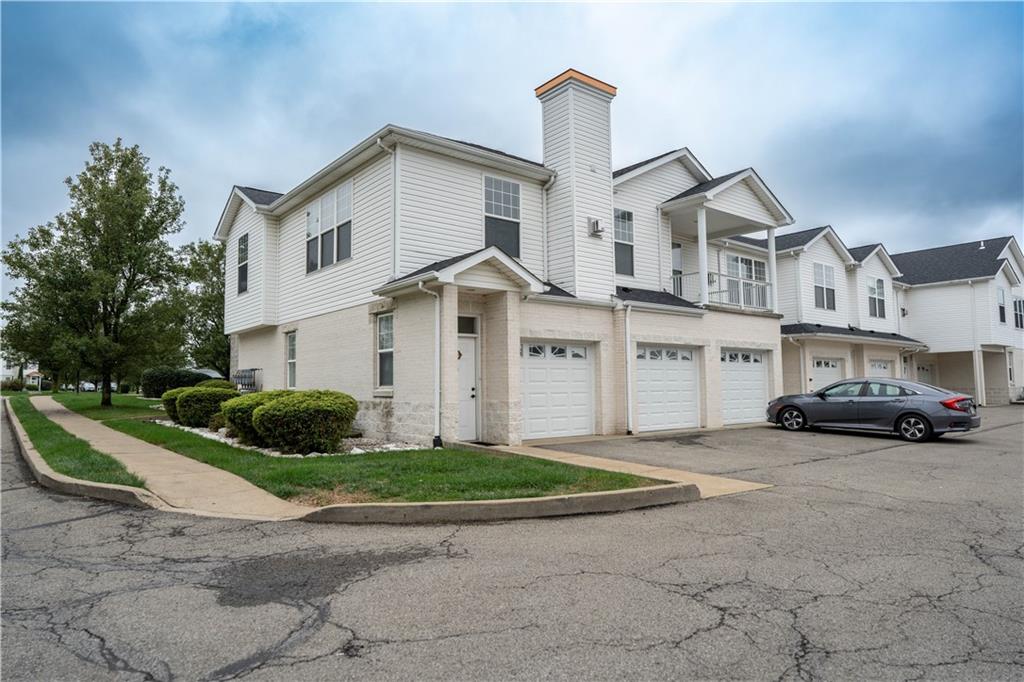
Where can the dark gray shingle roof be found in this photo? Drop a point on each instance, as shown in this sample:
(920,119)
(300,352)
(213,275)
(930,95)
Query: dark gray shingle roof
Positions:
(261,197)
(652,296)
(808,328)
(710,184)
(950,263)
(436,266)
(859,253)
(640,164)
(784,241)
(495,151)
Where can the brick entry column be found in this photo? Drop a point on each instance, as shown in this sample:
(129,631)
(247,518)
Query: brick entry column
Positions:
(449,362)
(501,410)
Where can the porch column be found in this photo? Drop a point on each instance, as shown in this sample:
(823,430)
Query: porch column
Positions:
(978,356)
(702,253)
(772,279)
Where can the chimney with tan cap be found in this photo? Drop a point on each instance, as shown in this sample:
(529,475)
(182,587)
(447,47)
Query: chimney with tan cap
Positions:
(576,110)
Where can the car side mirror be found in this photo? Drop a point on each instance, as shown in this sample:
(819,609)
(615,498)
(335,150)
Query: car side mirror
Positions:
(820,395)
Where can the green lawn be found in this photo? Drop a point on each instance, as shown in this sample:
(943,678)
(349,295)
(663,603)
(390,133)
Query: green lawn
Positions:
(410,476)
(88,405)
(69,455)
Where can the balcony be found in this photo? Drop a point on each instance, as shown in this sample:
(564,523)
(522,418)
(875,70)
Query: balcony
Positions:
(725,290)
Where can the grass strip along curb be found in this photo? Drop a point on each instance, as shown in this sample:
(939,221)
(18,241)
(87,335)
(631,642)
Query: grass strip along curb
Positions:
(408,476)
(65,453)
(88,405)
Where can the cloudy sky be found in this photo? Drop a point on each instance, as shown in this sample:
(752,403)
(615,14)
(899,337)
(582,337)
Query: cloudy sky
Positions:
(900,123)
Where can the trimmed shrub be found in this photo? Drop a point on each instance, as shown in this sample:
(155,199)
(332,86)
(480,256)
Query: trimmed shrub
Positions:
(196,406)
(238,414)
(217,383)
(124,387)
(170,402)
(46,385)
(31,387)
(307,421)
(217,422)
(158,380)
(12,384)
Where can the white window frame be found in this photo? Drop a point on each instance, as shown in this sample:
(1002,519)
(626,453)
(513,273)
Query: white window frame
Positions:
(876,298)
(827,282)
(291,359)
(238,270)
(1018,312)
(624,218)
(384,350)
(493,208)
(332,211)
(1001,304)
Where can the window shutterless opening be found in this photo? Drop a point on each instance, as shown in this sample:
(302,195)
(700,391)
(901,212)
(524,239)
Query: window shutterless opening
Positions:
(501,214)
(243,263)
(824,286)
(291,359)
(385,350)
(329,228)
(623,242)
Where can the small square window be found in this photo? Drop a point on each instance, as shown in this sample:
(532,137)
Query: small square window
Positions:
(536,351)
(671,354)
(467,325)
(577,352)
(745,357)
(641,354)
(734,357)
(654,354)
(686,355)
(558,351)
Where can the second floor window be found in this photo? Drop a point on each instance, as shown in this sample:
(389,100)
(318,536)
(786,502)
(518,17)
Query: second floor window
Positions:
(1018,313)
(291,359)
(501,215)
(243,263)
(824,286)
(386,350)
(329,228)
(623,242)
(876,298)
(1001,304)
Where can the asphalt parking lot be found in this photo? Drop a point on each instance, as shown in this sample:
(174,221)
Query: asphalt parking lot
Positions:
(869,558)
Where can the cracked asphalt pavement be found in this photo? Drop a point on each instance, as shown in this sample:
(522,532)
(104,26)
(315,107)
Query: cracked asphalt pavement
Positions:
(868,559)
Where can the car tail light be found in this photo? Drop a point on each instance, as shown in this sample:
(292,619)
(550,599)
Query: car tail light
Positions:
(960,403)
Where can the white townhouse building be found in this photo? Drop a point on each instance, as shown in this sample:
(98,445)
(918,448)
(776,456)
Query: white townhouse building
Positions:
(840,317)
(461,293)
(966,302)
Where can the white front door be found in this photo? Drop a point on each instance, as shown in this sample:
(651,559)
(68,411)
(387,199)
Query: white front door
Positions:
(468,383)
(557,389)
(825,371)
(879,368)
(744,385)
(666,388)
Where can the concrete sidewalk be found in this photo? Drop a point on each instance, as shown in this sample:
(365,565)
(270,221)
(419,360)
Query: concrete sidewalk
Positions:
(178,480)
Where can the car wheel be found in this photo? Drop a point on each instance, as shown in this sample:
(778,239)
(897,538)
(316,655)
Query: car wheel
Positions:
(914,428)
(792,419)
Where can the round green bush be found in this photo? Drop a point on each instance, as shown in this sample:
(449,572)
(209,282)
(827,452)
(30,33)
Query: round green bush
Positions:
(157,380)
(217,422)
(196,406)
(307,421)
(217,383)
(238,414)
(170,402)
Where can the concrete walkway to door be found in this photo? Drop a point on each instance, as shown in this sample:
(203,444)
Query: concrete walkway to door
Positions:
(178,480)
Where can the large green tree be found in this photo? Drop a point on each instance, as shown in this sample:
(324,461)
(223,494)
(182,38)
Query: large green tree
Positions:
(101,274)
(205,341)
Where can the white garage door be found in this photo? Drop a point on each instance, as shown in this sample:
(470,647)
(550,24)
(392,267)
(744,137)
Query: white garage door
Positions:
(826,371)
(558,390)
(744,386)
(666,388)
(879,368)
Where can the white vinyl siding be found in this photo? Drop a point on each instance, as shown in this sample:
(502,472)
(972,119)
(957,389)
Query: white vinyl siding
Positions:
(557,129)
(930,309)
(741,200)
(823,253)
(788,287)
(245,311)
(335,288)
(442,211)
(864,279)
(641,195)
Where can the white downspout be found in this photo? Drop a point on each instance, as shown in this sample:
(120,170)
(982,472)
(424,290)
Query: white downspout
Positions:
(544,226)
(803,367)
(437,363)
(629,374)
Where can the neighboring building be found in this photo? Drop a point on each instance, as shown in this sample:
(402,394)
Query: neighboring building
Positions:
(840,315)
(463,293)
(966,302)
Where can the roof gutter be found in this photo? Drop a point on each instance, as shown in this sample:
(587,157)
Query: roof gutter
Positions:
(662,308)
(850,338)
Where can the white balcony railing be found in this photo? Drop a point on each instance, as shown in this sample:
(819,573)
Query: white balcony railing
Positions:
(724,290)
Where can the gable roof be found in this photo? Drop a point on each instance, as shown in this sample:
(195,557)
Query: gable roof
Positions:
(860,253)
(785,242)
(711,187)
(641,164)
(810,329)
(683,155)
(260,197)
(708,185)
(445,271)
(953,262)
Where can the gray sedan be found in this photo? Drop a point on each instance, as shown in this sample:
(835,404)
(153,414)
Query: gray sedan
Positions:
(916,412)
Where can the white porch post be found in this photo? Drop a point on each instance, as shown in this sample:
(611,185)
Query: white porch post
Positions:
(702,252)
(773,288)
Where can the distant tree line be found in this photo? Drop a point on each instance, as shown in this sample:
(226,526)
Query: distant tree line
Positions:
(102,293)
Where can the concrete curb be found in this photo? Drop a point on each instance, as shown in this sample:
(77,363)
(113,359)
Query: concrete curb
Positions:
(47,477)
(363,513)
(504,510)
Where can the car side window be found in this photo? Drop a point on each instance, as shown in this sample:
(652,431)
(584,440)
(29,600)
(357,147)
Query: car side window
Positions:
(878,389)
(844,390)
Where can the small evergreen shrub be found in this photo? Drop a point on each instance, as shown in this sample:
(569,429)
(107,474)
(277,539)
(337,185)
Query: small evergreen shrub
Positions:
(217,422)
(195,406)
(170,402)
(12,384)
(238,414)
(306,421)
(158,380)
(217,383)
